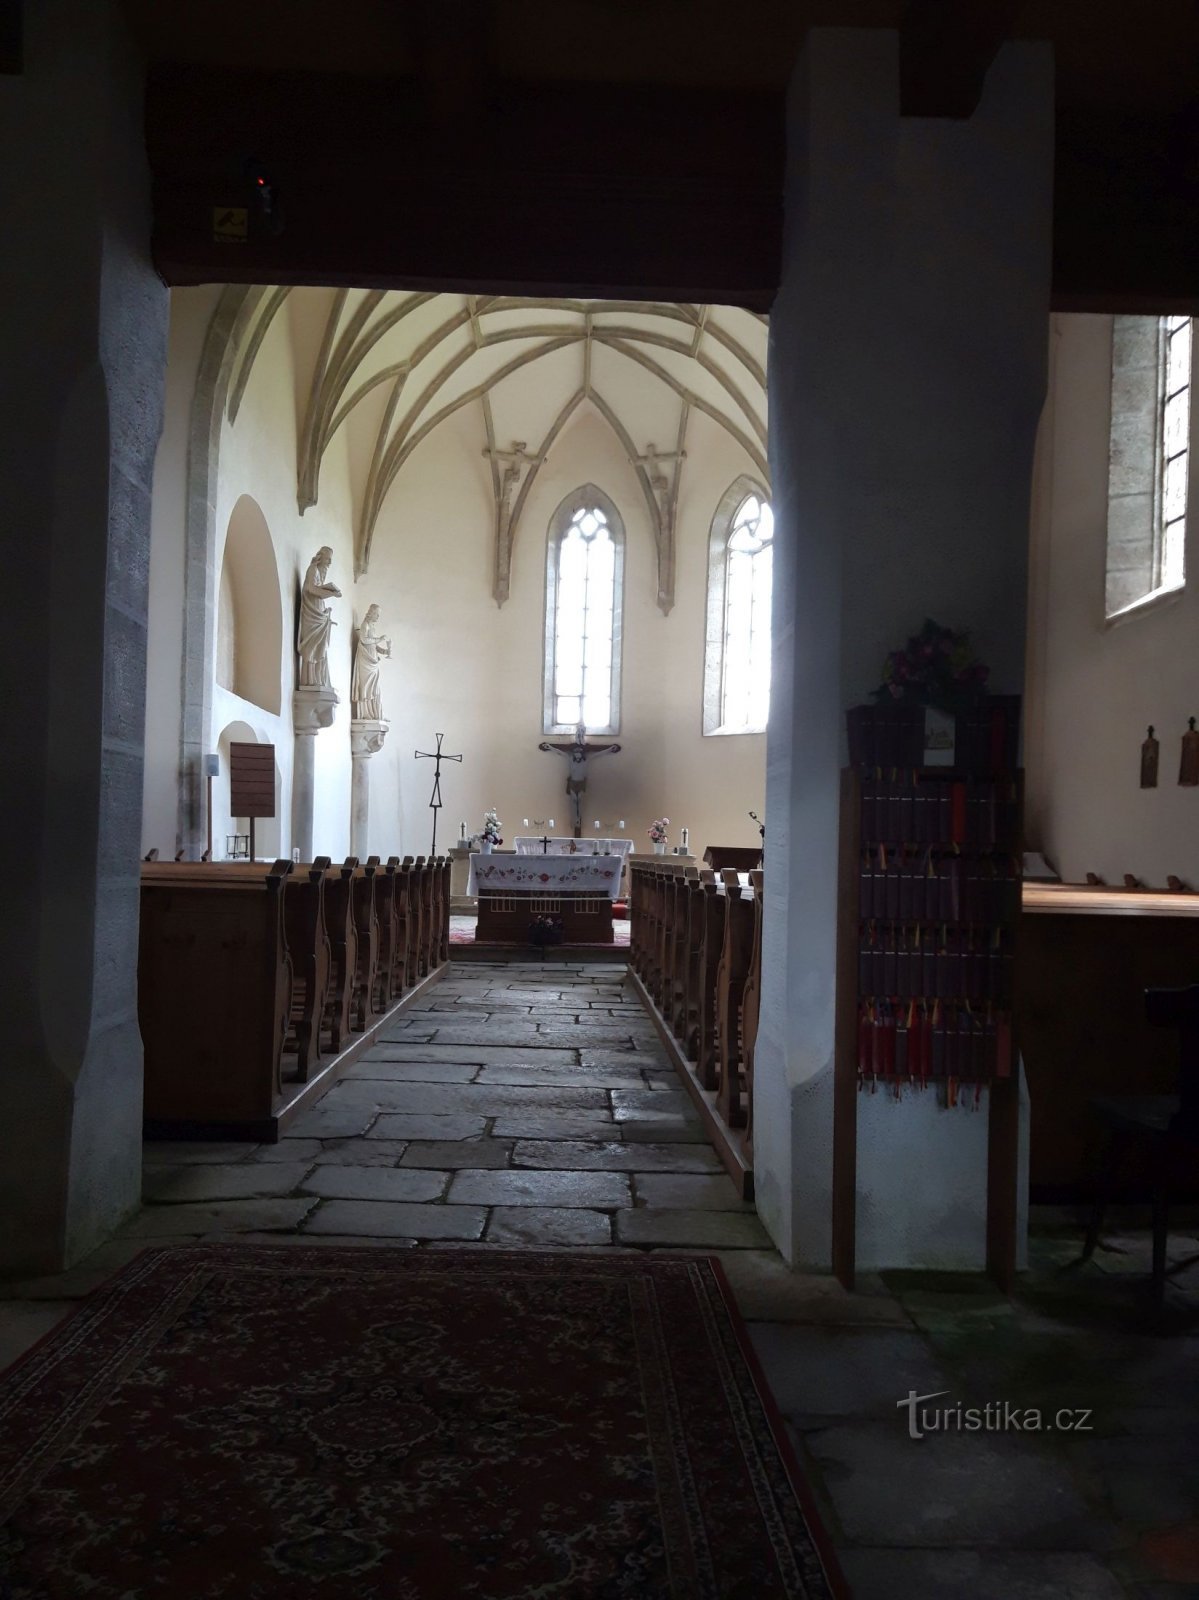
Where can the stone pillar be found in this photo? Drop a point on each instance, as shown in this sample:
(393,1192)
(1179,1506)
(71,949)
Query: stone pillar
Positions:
(907,371)
(366,739)
(81,388)
(312,710)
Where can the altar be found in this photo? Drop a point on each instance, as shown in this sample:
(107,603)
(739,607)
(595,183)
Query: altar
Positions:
(519,895)
(529,846)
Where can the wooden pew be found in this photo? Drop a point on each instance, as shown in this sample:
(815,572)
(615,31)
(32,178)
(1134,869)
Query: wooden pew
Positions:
(750,1010)
(366,939)
(386,922)
(311,957)
(416,917)
(343,950)
(214,991)
(730,989)
(444,893)
(707,1066)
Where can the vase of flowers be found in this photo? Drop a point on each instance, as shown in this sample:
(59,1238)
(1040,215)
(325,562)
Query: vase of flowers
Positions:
(935,668)
(657,833)
(490,835)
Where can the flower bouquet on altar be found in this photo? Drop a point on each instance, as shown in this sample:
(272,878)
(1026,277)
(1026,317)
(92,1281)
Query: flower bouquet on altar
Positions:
(490,836)
(658,835)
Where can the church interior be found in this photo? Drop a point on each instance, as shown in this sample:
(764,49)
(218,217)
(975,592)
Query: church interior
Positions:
(606,878)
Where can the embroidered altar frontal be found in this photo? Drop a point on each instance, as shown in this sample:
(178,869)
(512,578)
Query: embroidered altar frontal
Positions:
(228,1421)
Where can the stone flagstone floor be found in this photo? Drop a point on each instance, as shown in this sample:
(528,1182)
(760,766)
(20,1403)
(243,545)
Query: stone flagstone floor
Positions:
(530,1105)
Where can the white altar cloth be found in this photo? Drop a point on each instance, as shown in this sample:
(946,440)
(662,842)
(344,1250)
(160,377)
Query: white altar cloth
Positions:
(545,874)
(527,846)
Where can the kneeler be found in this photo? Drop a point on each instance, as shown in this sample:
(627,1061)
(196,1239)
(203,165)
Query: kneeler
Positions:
(1167,1125)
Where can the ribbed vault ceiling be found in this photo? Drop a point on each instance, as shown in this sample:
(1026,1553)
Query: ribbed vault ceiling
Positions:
(398,365)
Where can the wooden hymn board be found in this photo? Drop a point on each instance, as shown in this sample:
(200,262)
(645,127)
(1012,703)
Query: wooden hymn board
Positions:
(252,783)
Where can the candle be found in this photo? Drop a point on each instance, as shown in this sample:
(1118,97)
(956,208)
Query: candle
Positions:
(622,824)
(551,822)
(526,822)
(597,827)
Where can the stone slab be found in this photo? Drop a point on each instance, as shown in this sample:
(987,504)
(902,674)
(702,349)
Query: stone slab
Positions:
(177,1152)
(563,1077)
(642,1102)
(383,1219)
(979,1574)
(288,1150)
(529,1188)
(680,1191)
(662,1130)
(476,1154)
(375,1183)
(394,1126)
(615,1156)
(346,1121)
(845,1371)
(219,1216)
(478,1055)
(362,1153)
(967,1489)
(166,1184)
(768,1290)
(726,1230)
(24,1322)
(410,1071)
(441,1099)
(554,1125)
(531,1226)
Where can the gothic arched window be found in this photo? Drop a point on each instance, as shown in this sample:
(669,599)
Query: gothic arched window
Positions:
(584,571)
(740,572)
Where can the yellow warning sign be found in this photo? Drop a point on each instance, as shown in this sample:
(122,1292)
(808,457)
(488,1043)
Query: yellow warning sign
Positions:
(230,224)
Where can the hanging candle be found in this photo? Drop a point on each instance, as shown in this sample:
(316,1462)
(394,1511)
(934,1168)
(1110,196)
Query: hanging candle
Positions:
(1149,754)
(1188,768)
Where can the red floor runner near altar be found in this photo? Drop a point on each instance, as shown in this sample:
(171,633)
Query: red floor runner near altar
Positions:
(237,1420)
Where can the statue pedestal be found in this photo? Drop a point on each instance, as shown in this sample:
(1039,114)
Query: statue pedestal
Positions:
(312,710)
(366,739)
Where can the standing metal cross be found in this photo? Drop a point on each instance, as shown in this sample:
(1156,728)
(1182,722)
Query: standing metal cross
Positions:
(435,801)
(545,845)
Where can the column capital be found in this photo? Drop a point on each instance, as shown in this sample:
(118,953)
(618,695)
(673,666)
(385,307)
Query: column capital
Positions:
(366,737)
(313,709)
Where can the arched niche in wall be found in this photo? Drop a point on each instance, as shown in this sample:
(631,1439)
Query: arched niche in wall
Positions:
(249,642)
(266,829)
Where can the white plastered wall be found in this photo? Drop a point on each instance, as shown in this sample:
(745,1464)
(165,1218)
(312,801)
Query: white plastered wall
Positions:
(1094,687)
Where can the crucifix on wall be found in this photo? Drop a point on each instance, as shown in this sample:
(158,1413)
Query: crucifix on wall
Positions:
(578,752)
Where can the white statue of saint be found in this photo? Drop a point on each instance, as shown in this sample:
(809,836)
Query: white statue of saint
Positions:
(316,618)
(365,697)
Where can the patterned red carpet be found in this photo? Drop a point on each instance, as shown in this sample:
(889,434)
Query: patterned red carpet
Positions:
(241,1423)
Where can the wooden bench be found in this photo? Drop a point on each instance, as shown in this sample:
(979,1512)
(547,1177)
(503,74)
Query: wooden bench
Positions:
(214,991)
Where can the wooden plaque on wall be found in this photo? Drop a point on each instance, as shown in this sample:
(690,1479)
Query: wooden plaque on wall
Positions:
(252,780)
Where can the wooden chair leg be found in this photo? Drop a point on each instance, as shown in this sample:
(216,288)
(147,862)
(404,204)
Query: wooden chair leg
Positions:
(1109,1166)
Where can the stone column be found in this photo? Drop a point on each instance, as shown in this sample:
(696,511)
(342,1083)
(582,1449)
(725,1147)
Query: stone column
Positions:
(81,391)
(366,740)
(312,710)
(907,371)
